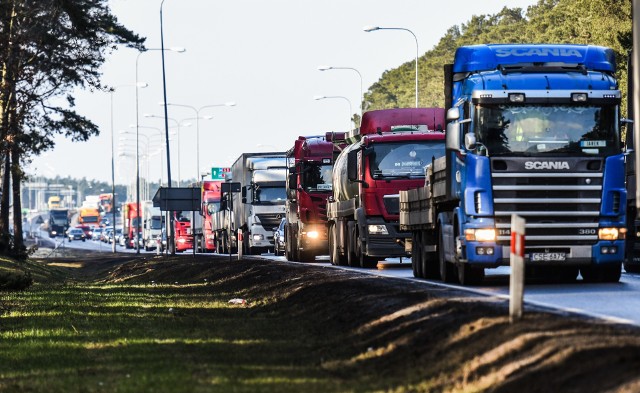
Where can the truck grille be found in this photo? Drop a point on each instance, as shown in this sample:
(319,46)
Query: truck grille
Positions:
(392,204)
(559,206)
(270,220)
(321,203)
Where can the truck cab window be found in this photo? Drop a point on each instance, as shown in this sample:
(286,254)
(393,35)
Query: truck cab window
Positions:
(316,177)
(539,129)
(408,160)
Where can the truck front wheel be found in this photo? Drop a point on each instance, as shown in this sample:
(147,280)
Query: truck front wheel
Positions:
(447,270)
(366,261)
(416,255)
(469,275)
(606,273)
(333,247)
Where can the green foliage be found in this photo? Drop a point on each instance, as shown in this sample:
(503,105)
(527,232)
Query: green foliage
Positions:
(595,22)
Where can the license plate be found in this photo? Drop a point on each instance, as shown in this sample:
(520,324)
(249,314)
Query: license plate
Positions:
(548,256)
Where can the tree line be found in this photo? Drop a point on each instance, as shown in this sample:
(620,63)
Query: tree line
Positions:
(50,47)
(596,22)
(47,48)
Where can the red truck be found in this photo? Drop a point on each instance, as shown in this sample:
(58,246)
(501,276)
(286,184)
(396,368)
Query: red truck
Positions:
(130,218)
(210,205)
(386,155)
(308,189)
(183,235)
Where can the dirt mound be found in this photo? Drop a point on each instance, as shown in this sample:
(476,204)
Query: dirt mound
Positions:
(427,339)
(404,336)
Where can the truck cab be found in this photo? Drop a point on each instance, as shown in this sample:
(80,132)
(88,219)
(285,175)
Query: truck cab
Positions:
(387,155)
(535,131)
(309,186)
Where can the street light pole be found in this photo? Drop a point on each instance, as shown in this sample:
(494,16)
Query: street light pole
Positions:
(166,130)
(179,50)
(113,182)
(318,98)
(369,29)
(327,68)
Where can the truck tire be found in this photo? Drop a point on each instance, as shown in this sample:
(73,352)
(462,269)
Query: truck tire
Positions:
(632,267)
(606,273)
(352,257)
(470,275)
(334,252)
(430,266)
(447,270)
(416,255)
(366,261)
(306,256)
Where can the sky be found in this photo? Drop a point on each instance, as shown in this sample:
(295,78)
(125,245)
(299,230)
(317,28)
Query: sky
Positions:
(261,55)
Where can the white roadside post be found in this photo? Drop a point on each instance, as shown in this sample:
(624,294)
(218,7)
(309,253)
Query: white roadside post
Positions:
(240,243)
(516,280)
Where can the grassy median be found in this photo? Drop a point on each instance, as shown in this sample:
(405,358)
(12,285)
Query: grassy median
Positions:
(157,324)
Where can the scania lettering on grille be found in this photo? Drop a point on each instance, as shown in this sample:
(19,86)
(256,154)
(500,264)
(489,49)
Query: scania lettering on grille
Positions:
(546,165)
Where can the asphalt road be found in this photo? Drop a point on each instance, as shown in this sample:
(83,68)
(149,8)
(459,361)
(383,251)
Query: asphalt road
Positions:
(619,302)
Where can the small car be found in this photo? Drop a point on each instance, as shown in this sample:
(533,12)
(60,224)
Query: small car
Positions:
(96,233)
(86,229)
(278,238)
(76,234)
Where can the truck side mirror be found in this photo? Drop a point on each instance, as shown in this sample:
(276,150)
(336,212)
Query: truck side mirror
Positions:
(223,204)
(352,165)
(469,141)
(453,136)
(453,114)
(293,183)
(244,192)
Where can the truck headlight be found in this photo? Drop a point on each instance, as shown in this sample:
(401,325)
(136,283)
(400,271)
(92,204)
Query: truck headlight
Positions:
(612,233)
(182,240)
(313,234)
(258,237)
(378,230)
(480,235)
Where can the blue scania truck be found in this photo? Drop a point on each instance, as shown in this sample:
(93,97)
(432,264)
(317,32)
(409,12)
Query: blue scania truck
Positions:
(533,130)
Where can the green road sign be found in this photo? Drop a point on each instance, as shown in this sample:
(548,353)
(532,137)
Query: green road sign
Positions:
(220,173)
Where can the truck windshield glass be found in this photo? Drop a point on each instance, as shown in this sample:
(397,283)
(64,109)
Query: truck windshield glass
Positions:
(404,160)
(156,222)
(59,218)
(317,177)
(270,195)
(543,130)
(213,207)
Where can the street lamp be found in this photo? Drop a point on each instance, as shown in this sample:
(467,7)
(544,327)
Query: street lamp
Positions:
(175,49)
(318,98)
(327,68)
(113,176)
(369,29)
(197,118)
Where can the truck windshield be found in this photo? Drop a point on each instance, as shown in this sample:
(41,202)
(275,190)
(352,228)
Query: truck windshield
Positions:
(543,130)
(213,207)
(317,177)
(402,159)
(156,222)
(270,195)
(59,218)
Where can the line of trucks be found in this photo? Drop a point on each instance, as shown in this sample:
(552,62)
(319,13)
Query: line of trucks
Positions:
(532,130)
